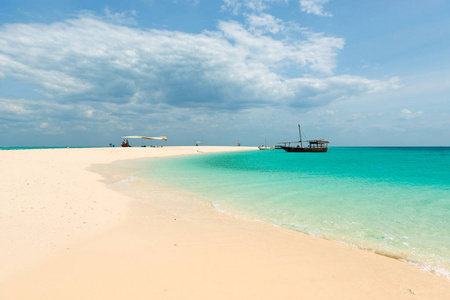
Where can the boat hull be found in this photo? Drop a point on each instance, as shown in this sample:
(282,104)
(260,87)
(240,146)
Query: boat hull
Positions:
(301,149)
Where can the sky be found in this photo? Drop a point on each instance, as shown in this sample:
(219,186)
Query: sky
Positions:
(356,73)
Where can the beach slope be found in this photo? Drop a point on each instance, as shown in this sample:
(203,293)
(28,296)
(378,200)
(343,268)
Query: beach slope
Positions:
(66,235)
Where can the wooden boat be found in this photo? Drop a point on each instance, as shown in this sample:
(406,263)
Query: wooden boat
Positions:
(313,145)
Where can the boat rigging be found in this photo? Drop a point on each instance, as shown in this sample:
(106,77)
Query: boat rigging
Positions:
(313,145)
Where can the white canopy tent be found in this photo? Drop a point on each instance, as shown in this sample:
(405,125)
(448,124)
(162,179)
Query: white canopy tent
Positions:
(145,137)
(141,137)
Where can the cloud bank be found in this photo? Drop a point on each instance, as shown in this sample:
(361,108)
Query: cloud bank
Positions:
(94,70)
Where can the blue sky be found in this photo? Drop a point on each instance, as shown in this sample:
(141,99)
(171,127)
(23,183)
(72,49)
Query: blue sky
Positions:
(358,73)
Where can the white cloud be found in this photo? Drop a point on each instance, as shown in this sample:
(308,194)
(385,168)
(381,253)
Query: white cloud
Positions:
(315,53)
(125,17)
(320,91)
(406,114)
(237,6)
(258,6)
(314,7)
(115,76)
(264,23)
(8,106)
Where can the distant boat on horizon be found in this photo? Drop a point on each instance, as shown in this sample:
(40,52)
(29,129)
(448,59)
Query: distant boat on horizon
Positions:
(265,147)
(313,145)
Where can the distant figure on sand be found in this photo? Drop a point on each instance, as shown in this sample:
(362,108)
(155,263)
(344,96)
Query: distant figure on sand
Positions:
(125,144)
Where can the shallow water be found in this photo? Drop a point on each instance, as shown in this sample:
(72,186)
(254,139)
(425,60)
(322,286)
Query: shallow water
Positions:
(394,201)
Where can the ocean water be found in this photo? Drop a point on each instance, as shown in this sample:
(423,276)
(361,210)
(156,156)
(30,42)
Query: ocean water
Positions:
(393,201)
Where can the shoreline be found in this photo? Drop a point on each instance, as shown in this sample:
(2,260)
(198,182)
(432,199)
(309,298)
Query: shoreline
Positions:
(394,253)
(172,247)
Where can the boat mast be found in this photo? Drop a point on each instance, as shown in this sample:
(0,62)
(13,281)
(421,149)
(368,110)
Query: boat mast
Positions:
(300,133)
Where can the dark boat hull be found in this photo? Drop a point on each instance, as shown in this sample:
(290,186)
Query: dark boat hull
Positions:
(301,149)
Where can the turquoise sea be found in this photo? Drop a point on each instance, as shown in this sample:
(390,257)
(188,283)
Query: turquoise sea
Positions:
(393,201)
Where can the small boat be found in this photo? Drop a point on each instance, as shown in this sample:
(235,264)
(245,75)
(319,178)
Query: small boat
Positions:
(313,145)
(265,147)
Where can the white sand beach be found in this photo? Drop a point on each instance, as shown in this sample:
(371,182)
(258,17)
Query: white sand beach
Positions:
(66,235)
